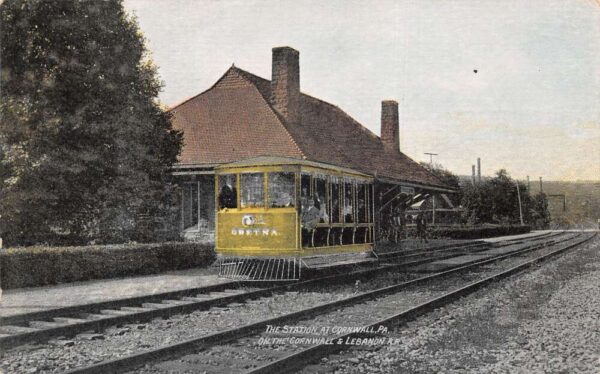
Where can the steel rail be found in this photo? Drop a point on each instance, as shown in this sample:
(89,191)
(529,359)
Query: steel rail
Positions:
(135,360)
(74,312)
(117,303)
(99,324)
(309,355)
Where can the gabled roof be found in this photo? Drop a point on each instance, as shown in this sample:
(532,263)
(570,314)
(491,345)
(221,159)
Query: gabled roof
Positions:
(234,120)
(229,122)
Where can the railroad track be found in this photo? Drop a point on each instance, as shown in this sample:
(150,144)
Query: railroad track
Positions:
(301,358)
(96,317)
(207,343)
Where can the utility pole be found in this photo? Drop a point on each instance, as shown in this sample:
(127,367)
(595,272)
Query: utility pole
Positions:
(520,207)
(431,157)
(433,209)
(563,196)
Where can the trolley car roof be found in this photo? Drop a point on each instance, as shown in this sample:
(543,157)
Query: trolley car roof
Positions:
(233,121)
(276,161)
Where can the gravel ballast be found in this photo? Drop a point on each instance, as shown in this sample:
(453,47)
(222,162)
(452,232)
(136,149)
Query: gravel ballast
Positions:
(62,354)
(543,321)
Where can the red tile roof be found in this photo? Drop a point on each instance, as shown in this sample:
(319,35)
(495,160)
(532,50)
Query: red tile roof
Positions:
(233,120)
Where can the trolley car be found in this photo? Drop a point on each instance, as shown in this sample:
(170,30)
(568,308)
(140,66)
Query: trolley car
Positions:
(276,213)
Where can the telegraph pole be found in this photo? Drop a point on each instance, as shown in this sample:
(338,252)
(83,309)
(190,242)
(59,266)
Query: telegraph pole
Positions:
(433,195)
(430,157)
(563,196)
(520,207)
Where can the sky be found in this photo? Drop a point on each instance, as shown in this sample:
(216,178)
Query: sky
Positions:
(516,83)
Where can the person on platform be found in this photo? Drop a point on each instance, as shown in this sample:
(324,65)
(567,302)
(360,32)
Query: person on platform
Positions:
(422,228)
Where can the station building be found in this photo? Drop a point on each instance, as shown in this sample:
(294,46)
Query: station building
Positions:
(243,117)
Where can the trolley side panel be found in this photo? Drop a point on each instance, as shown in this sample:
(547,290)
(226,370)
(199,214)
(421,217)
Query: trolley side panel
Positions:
(257,232)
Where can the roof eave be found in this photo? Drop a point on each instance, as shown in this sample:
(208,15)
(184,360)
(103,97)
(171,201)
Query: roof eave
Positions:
(424,186)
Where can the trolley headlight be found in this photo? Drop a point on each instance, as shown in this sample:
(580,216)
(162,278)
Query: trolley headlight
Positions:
(248,220)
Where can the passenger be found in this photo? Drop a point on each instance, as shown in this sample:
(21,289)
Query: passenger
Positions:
(348,213)
(286,199)
(323,216)
(310,217)
(304,199)
(228,194)
(318,201)
(421,228)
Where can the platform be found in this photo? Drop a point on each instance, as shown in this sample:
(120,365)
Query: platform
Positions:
(446,264)
(441,265)
(36,299)
(27,300)
(528,235)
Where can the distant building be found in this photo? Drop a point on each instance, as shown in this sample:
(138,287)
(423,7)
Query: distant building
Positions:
(245,116)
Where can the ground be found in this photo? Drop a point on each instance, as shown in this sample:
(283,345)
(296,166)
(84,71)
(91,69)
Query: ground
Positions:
(544,321)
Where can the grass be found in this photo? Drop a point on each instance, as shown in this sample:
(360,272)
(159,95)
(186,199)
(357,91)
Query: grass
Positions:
(493,325)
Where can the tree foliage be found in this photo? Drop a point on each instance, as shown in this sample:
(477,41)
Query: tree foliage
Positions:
(496,200)
(84,145)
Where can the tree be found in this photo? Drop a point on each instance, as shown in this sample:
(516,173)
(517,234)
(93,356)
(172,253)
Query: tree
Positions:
(85,146)
(496,200)
(540,216)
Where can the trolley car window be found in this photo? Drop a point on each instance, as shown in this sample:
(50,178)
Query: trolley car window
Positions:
(320,194)
(281,190)
(304,192)
(227,191)
(348,203)
(251,187)
(335,201)
(361,203)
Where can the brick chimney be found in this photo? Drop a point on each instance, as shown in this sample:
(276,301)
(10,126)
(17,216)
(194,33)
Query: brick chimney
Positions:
(390,133)
(285,83)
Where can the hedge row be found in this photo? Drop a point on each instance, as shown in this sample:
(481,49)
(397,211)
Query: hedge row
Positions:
(478,232)
(38,266)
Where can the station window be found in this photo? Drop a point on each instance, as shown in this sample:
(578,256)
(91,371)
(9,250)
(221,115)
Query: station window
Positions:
(281,190)
(371,202)
(190,205)
(335,200)
(251,186)
(348,203)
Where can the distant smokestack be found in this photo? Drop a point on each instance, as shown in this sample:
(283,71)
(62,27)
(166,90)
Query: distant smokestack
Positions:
(478,169)
(390,132)
(541,186)
(473,174)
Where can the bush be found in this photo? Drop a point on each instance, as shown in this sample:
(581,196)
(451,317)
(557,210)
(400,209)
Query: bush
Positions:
(37,266)
(478,232)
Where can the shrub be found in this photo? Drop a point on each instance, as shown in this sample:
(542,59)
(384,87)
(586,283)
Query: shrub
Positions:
(37,266)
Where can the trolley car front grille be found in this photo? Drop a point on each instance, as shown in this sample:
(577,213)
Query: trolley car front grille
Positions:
(263,269)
